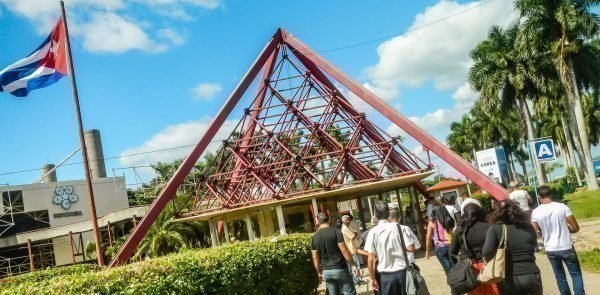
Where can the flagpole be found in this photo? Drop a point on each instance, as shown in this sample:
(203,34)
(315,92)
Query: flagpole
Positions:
(90,191)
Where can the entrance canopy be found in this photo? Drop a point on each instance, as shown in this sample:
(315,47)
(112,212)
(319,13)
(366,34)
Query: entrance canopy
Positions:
(341,194)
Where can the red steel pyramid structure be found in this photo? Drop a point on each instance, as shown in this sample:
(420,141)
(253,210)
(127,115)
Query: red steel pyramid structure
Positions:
(300,136)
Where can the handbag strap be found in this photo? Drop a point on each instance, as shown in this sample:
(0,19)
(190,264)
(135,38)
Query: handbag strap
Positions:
(403,246)
(503,242)
(464,238)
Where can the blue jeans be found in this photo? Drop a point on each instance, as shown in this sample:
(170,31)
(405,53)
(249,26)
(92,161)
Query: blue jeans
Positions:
(569,257)
(338,281)
(357,279)
(443,255)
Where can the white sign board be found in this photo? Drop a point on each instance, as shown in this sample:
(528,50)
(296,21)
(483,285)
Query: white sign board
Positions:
(544,151)
(488,164)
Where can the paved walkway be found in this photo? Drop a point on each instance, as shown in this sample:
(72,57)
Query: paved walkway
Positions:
(436,279)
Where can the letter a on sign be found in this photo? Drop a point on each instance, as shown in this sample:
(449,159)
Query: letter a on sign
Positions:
(544,151)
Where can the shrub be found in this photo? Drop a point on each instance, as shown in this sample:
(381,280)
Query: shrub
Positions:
(269,266)
(556,188)
(485,200)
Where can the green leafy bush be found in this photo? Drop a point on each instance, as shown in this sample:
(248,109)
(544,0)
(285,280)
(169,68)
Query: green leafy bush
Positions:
(555,187)
(269,266)
(485,200)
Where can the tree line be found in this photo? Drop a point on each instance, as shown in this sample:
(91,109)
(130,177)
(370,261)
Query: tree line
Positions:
(537,77)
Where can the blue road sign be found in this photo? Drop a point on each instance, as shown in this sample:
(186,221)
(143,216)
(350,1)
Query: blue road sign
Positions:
(544,151)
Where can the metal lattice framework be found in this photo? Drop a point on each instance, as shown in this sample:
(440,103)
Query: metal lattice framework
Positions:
(300,135)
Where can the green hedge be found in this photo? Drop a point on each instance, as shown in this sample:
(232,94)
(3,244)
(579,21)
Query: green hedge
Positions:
(485,200)
(279,265)
(558,189)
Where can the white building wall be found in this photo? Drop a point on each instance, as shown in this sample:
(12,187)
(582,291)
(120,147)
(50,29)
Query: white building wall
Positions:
(109,193)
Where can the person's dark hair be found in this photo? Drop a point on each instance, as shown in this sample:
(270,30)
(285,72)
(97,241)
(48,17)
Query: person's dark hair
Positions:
(440,213)
(395,214)
(544,191)
(471,215)
(382,210)
(322,217)
(508,212)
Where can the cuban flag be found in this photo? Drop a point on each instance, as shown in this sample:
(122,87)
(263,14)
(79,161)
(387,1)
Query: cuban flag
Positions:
(42,68)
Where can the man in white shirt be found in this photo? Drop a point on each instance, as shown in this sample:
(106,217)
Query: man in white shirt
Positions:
(520,196)
(554,222)
(412,238)
(466,200)
(384,246)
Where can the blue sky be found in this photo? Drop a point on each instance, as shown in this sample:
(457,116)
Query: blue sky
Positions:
(151,73)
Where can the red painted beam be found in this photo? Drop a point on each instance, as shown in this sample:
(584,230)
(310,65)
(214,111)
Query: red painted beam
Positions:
(170,189)
(454,160)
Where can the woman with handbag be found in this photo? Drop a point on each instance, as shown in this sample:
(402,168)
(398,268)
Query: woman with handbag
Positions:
(473,228)
(440,229)
(512,236)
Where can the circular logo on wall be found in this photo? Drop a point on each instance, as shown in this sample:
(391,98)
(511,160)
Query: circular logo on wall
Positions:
(64,196)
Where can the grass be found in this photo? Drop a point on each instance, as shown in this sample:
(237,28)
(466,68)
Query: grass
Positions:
(585,205)
(590,260)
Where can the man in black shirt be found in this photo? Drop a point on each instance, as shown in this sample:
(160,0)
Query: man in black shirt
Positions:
(330,255)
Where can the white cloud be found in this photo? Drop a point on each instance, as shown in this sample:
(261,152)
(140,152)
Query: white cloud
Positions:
(394,130)
(172,36)
(207,4)
(465,96)
(107,26)
(110,33)
(180,9)
(438,52)
(206,91)
(436,119)
(177,135)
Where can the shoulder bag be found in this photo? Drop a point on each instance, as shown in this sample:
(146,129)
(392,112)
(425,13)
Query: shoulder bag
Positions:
(494,271)
(415,283)
(462,278)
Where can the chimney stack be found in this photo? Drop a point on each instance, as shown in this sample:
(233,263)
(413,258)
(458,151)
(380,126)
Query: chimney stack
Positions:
(51,177)
(93,143)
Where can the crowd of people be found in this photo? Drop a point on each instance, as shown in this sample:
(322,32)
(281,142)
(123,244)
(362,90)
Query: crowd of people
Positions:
(456,233)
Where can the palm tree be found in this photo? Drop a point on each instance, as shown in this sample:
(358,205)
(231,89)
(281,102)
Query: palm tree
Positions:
(505,76)
(462,138)
(564,28)
(553,123)
(166,236)
(591,108)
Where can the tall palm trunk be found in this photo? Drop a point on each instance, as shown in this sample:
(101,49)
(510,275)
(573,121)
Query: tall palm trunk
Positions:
(575,104)
(524,167)
(511,174)
(569,144)
(539,170)
(511,162)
